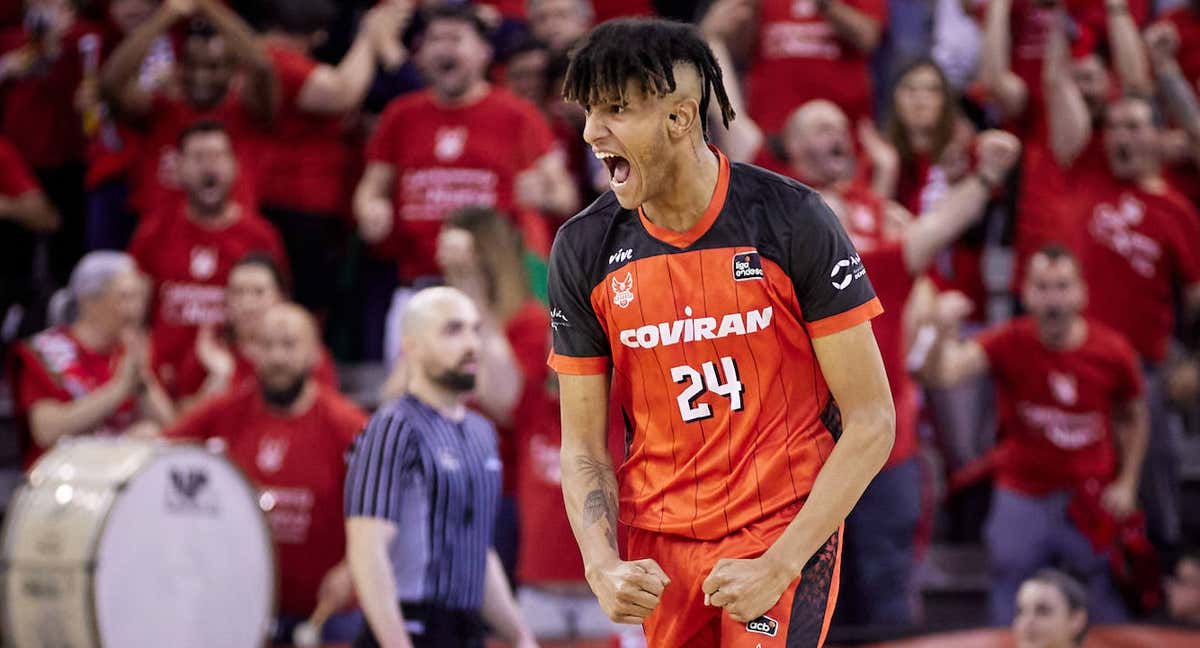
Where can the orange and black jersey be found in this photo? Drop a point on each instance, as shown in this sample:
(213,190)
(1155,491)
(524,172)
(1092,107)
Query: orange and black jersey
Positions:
(709,336)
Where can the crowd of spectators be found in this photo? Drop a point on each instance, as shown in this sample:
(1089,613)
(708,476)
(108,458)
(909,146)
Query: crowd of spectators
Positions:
(236,198)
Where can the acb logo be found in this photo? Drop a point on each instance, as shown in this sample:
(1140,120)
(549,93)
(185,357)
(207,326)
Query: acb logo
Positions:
(763,625)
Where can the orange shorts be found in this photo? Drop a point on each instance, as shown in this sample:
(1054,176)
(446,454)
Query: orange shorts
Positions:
(799,620)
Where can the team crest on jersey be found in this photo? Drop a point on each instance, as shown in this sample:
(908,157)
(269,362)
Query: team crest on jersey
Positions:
(1064,388)
(623,291)
(764,625)
(746,266)
(270,454)
(204,262)
(449,143)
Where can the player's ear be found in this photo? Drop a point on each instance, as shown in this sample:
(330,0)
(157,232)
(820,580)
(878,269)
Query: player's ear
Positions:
(684,116)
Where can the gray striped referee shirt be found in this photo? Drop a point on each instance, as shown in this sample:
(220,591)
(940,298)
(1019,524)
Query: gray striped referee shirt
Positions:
(438,481)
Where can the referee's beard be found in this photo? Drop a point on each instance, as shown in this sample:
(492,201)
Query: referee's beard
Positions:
(455,380)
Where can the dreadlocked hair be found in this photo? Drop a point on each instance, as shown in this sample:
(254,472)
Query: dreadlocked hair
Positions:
(645,50)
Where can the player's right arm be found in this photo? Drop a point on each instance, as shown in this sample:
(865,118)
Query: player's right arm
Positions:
(953,360)
(373,202)
(628,591)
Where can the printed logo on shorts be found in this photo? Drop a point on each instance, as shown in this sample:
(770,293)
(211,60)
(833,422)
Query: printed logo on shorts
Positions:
(746,266)
(623,291)
(763,625)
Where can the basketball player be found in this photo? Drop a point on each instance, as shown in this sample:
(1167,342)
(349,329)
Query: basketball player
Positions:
(734,315)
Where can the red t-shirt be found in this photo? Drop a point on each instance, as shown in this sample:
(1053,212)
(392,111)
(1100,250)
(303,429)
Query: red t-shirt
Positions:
(799,57)
(608,9)
(154,186)
(451,157)
(305,164)
(298,464)
(37,109)
(1138,247)
(1187,22)
(883,257)
(1055,407)
(191,374)
(54,365)
(16,179)
(189,265)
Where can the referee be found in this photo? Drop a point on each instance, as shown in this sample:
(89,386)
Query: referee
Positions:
(421,496)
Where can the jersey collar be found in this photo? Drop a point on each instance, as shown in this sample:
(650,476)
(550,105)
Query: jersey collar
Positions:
(685,239)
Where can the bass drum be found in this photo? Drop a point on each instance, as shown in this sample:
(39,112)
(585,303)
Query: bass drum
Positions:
(123,543)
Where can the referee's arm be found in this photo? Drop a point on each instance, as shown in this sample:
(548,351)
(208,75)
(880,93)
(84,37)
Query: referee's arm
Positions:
(372,474)
(367,540)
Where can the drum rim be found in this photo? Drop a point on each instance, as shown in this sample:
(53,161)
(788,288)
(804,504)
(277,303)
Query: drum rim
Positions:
(158,446)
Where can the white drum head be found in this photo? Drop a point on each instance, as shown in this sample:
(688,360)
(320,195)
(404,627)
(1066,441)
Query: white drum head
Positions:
(185,559)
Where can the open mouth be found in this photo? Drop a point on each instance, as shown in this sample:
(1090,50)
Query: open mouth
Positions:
(618,167)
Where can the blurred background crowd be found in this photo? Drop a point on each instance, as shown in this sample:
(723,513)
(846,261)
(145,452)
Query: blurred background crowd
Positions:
(212,206)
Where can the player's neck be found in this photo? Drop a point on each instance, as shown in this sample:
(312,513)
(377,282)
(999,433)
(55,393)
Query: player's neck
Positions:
(691,182)
(447,402)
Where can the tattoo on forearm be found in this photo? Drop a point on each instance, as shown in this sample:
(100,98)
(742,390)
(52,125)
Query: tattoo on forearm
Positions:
(600,504)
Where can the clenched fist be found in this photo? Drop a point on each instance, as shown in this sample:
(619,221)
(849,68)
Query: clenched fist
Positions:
(998,152)
(628,590)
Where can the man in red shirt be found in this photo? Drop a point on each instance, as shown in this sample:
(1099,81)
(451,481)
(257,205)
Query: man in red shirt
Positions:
(24,214)
(290,433)
(92,376)
(306,165)
(461,143)
(207,91)
(1072,421)
(188,249)
(1053,92)
(224,357)
(1140,248)
(897,249)
(41,65)
(802,50)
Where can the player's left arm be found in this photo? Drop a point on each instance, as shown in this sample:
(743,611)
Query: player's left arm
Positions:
(838,308)
(500,608)
(854,371)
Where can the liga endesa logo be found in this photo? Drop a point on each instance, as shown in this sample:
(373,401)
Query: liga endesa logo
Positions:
(763,625)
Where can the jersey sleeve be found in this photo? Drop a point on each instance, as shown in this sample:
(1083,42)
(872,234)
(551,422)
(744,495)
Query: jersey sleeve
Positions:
(829,277)
(580,346)
(381,463)
(382,147)
(293,70)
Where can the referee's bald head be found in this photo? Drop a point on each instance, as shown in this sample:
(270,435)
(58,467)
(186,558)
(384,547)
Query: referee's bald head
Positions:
(441,336)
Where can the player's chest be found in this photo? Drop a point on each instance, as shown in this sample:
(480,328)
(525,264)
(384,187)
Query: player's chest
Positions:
(673,299)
